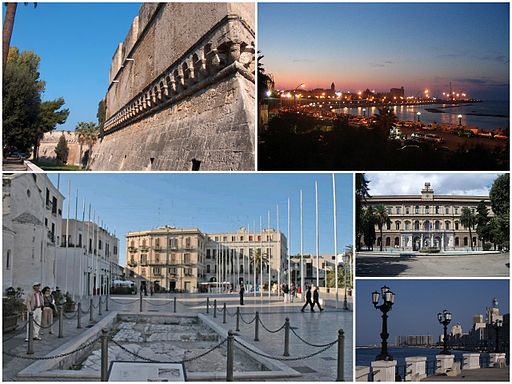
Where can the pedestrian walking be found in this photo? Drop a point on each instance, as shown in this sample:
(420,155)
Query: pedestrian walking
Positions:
(286,292)
(34,303)
(308,300)
(241,293)
(316,297)
(49,309)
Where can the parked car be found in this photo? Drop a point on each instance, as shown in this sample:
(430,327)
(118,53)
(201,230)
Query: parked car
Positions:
(433,137)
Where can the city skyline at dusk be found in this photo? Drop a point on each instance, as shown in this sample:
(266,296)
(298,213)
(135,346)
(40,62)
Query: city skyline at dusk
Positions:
(381,46)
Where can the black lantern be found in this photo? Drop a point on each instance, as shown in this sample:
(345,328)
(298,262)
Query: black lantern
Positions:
(445,318)
(388,298)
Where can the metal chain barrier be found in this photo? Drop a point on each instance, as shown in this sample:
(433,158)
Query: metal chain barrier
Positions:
(15,333)
(172,362)
(268,330)
(70,317)
(54,356)
(307,342)
(286,358)
(48,326)
(84,312)
(157,305)
(248,323)
(122,303)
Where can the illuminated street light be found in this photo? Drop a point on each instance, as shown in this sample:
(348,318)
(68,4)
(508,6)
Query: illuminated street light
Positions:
(389,298)
(418,114)
(460,120)
(295,93)
(444,318)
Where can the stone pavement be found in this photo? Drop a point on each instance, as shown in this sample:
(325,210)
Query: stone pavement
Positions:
(469,265)
(482,374)
(317,328)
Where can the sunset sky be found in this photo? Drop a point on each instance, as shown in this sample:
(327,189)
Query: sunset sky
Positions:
(379,46)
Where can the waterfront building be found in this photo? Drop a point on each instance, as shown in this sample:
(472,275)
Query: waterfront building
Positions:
(414,341)
(190,260)
(427,220)
(31,230)
(88,263)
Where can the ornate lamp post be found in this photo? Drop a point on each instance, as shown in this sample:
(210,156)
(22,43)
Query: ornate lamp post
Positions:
(444,318)
(497,326)
(389,298)
(460,120)
(345,261)
(418,114)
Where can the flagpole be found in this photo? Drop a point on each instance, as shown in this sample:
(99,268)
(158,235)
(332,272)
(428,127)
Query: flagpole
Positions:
(261,261)
(279,252)
(288,248)
(269,254)
(301,250)
(67,236)
(254,266)
(317,238)
(88,251)
(335,237)
(75,253)
(81,290)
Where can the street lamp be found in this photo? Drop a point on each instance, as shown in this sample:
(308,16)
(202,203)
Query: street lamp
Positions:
(444,318)
(460,120)
(345,261)
(418,114)
(364,112)
(497,326)
(389,298)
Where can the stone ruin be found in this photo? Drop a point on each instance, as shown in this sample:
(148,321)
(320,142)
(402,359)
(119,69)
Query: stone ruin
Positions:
(181,94)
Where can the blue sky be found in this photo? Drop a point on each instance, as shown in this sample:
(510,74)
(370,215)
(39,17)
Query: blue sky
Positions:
(215,202)
(382,45)
(76,43)
(417,303)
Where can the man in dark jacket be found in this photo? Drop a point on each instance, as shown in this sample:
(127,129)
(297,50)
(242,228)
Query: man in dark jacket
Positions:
(315,299)
(308,300)
(242,290)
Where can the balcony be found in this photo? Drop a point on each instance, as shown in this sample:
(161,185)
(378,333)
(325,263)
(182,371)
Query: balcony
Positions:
(157,248)
(132,263)
(132,249)
(144,248)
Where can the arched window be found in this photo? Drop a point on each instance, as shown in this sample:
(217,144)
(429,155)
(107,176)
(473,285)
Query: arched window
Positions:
(465,241)
(397,225)
(388,241)
(446,224)
(407,225)
(437,225)
(437,209)
(427,209)
(427,226)
(416,225)
(417,209)
(388,226)
(397,241)
(456,225)
(456,241)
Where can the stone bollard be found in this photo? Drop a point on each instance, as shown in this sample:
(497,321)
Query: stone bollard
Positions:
(99,307)
(104,354)
(362,373)
(383,370)
(496,359)
(207,305)
(174,304)
(140,301)
(91,317)
(30,346)
(61,323)
(471,361)
(230,356)
(286,337)
(79,316)
(256,327)
(415,368)
(444,363)
(224,310)
(341,355)
(237,319)
(215,308)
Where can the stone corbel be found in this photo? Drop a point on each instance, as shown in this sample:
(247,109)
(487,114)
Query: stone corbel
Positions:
(213,61)
(247,57)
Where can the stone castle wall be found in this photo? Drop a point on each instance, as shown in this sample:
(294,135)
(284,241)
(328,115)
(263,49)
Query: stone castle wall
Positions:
(182,91)
(49,143)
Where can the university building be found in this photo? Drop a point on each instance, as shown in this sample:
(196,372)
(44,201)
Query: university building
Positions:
(181,259)
(427,220)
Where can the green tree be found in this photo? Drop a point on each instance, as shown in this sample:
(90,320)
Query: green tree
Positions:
(101,115)
(368,227)
(500,195)
(362,193)
(482,221)
(258,257)
(21,99)
(62,150)
(384,120)
(87,134)
(381,218)
(50,115)
(468,220)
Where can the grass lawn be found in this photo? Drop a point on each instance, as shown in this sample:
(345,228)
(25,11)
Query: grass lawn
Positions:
(57,167)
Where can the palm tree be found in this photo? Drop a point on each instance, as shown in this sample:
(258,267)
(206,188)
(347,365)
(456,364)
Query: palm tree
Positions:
(468,220)
(385,119)
(85,130)
(381,218)
(368,227)
(257,259)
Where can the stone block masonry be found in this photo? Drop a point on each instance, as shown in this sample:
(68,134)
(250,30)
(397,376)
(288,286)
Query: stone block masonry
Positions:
(181,94)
